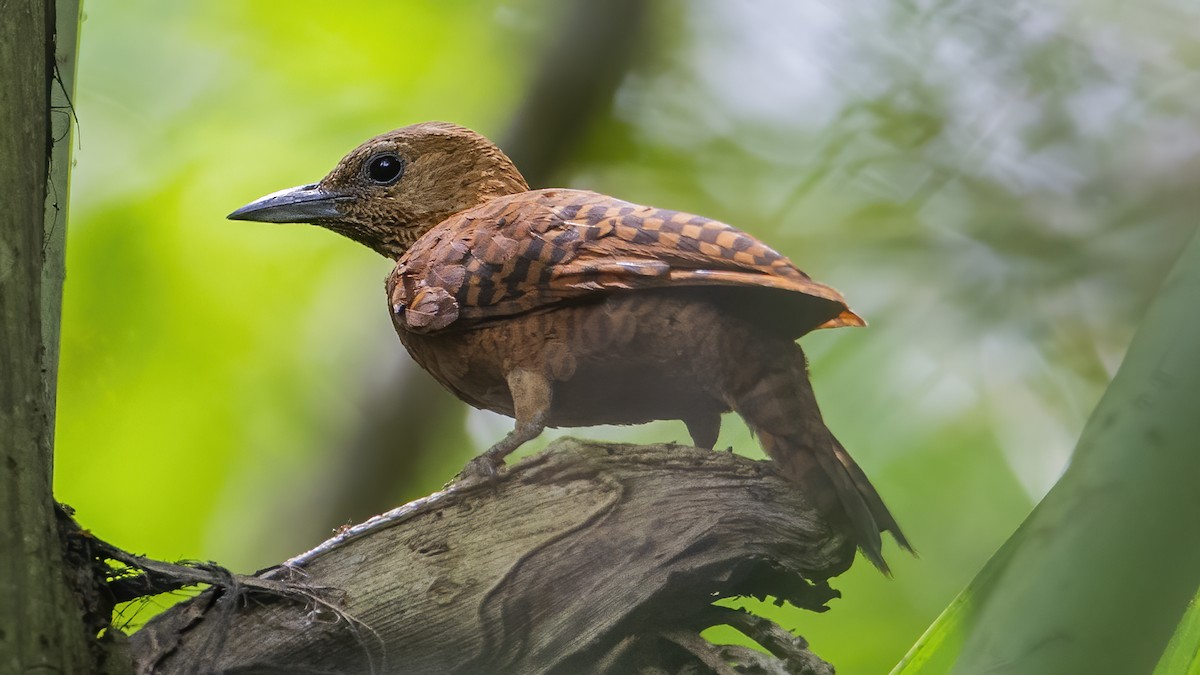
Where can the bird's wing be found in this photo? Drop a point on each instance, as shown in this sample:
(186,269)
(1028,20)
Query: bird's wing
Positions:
(535,250)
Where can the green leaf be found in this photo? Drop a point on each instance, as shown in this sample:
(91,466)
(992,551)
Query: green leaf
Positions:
(1098,576)
(1183,652)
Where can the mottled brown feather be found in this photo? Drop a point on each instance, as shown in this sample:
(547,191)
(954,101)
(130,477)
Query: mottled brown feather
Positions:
(535,250)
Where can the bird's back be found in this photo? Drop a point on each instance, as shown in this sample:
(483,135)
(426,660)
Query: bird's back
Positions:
(541,249)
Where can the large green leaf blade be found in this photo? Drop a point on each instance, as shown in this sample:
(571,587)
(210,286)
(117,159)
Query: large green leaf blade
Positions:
(1098,577)
(1183,652)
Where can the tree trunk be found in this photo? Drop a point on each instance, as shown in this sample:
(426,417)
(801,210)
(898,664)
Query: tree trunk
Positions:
(41,627)
(585,558)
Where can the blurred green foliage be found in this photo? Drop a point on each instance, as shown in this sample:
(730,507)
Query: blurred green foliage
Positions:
(1099,576)
(997,187)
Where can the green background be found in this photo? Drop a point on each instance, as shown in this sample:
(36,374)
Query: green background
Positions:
(997,187)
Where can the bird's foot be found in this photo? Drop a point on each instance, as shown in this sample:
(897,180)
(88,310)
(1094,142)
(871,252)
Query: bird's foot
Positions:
(482,468)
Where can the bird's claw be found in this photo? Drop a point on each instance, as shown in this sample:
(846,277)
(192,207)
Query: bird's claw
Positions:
(480,469)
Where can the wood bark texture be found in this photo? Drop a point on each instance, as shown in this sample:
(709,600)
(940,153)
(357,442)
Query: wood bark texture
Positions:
(585,558)
(41,627)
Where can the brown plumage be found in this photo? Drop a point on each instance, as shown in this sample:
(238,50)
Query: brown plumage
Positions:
(571,308)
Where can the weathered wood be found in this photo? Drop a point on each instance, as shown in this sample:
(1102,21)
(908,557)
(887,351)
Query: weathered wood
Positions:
(586,557)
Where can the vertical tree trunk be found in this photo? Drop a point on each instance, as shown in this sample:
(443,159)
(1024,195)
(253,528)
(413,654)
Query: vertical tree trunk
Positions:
(41,626)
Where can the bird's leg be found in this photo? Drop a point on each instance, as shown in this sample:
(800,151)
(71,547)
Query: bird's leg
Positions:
(531,394)
(704,429)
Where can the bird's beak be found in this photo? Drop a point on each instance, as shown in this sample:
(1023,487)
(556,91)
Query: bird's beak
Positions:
(304,204)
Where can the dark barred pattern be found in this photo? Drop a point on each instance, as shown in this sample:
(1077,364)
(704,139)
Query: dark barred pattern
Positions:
(525,252)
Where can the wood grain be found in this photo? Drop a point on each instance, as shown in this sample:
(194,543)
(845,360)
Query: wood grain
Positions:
(585,558)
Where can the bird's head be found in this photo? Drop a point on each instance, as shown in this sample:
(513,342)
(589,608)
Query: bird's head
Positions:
(392,189)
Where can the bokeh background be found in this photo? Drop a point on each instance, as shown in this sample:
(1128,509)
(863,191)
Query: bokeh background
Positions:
(998,187)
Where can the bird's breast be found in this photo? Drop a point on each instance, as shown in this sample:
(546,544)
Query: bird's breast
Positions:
(624,359)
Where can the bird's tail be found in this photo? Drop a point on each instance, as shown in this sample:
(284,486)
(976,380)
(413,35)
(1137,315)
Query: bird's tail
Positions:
(838,487)
(781,408)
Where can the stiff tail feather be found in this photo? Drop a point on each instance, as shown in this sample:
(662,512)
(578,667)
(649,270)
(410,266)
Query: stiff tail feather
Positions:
(836,474)
(778,404)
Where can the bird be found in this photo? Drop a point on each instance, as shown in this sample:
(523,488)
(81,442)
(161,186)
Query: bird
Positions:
(564,307)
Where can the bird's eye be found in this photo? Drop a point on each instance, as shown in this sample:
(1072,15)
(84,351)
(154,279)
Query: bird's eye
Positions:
(385,169)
